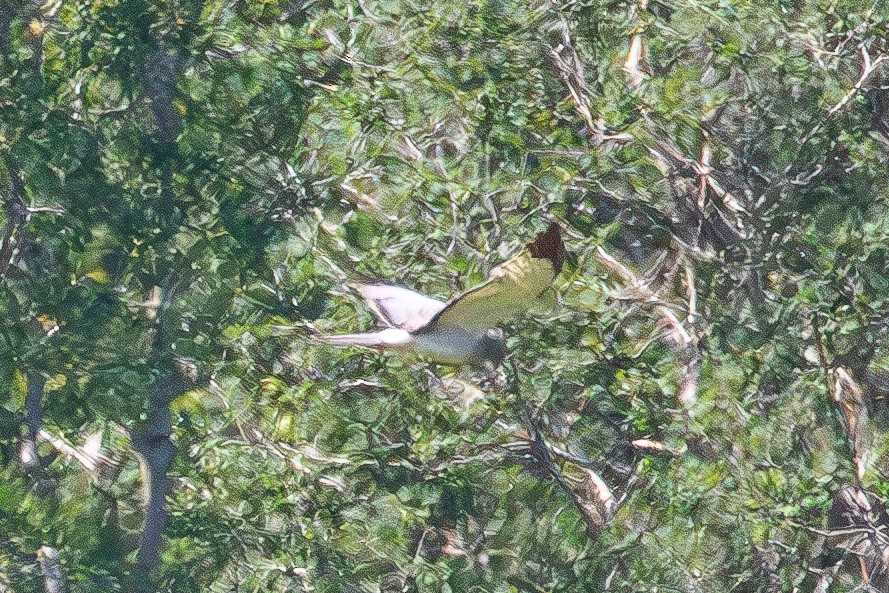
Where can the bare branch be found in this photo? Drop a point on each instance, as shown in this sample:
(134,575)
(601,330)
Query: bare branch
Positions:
(53,209)
(648,444)
(572,76)
(840,532)
(51,570)
(692,293)
(849,395)
(645,294)
(91,461)
(683,342)
(600,490)
(867,68)
(852,499)
(635,54)
(33,419)
(568,65)
(17,217)
(691,375)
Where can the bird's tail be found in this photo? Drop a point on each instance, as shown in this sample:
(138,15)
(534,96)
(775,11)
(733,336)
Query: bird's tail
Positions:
(367,340)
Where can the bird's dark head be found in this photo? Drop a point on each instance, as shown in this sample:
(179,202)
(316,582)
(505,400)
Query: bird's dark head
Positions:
(549,245)
(492,347)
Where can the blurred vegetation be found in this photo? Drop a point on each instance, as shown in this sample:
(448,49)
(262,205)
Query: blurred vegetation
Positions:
(700,407)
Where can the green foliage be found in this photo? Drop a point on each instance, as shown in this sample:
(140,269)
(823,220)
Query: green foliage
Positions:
(180,179)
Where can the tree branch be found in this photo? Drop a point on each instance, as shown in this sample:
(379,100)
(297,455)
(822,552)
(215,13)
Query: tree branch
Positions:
(17,216)
(569,67)
(33,419)
(51,570)
(852,499)
(151,439)
(636,53)
(868,66)
(644,293)
(91,461)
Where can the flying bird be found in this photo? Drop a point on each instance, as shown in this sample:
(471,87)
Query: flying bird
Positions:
(462,330)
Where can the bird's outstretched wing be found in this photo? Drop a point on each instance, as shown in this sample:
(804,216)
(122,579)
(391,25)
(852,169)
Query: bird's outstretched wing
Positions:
(511,288)
(399,307)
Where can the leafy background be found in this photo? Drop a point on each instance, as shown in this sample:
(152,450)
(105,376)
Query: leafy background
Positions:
(699,405)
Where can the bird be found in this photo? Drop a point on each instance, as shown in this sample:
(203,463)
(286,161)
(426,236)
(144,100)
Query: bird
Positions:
(462,330)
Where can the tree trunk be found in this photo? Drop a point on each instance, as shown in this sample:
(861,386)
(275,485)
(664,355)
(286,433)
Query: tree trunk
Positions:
(33,420)
(51,570)
(156,451)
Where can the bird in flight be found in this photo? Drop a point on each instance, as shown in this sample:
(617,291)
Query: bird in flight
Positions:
(462,330)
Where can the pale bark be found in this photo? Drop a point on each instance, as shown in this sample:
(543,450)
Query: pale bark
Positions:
(852,500)
(90,460)
(681,333)
(151,439)
(51,570)
(637,53)
(33,420)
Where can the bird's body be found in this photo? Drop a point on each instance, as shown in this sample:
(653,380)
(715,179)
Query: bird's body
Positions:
(458,346)
(460,331)
(452,346)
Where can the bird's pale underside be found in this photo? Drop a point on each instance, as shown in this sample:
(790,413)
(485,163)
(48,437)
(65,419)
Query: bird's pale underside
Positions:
(461,331)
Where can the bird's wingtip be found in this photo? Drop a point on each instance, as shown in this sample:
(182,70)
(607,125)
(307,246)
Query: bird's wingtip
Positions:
(549,245)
